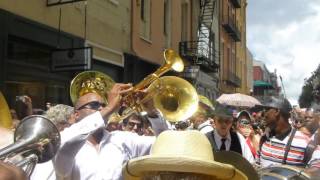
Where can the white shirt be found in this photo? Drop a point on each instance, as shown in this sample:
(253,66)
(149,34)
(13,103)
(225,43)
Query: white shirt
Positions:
(77,159)
(205,127)
(43,171)
(246,153)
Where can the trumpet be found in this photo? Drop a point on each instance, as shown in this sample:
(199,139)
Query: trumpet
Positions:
(174,97)
(36,139)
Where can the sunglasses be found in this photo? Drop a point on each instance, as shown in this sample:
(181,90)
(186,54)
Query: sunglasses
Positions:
(132,124)
(94,105)
(244,122)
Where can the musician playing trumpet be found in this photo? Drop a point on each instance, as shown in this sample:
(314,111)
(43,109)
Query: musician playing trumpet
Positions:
(88,151)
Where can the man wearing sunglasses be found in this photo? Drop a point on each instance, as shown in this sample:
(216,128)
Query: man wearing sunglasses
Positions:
(133,123)
(283,144)
(90,152)
(223,138)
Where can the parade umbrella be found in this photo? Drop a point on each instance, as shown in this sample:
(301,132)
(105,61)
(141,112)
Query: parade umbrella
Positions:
(239,100)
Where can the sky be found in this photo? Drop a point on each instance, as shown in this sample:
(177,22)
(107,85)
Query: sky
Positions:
(285,35)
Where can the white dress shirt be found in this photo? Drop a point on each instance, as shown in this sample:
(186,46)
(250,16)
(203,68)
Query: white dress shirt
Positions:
(77,159)
(205,127)
(43,171)
(246,152)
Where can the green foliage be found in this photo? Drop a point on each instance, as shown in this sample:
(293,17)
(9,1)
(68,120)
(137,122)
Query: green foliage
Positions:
(307,96)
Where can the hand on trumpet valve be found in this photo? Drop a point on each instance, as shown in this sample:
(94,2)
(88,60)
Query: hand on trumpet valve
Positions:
(146,101)
(115,94)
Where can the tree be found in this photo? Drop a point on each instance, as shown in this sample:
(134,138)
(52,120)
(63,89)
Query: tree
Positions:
(310,90)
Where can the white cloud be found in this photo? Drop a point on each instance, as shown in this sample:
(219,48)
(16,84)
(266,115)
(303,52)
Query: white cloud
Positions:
(293,48)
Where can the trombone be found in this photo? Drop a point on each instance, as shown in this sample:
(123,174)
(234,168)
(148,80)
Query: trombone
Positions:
(37,139)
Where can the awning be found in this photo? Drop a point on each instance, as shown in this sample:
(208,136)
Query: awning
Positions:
(262,84)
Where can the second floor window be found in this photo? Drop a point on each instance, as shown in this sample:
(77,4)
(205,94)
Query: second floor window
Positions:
(145,17)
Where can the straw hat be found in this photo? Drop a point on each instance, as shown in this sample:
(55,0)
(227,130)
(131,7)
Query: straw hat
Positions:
(181,151)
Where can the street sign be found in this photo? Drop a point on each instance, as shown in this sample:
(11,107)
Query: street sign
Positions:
(71,59)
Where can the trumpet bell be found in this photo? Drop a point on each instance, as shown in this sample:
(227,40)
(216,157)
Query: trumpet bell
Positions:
(175,97)
(174,60)
(90,82)
(34,135)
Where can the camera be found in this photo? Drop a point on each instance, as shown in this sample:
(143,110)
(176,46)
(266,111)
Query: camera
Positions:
(20,98)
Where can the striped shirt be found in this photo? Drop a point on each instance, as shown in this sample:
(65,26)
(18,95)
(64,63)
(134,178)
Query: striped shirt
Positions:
(272,151)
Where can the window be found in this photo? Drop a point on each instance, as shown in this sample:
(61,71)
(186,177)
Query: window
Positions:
(145,17)
(142,14)
(222,60)
(167,22)
(184,21)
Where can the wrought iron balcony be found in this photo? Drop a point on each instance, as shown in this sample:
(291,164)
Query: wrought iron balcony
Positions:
(236,3)
(199,53)
(233,79)
(232,29)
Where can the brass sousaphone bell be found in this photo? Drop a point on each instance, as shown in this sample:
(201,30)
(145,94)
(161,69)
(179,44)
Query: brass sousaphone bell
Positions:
(5,116)
(90,82)
(175,97)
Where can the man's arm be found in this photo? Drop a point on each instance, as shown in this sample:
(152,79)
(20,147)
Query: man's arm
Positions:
(72,139)
(76,135)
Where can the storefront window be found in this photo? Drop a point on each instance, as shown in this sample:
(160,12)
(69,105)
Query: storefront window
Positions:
(28,73)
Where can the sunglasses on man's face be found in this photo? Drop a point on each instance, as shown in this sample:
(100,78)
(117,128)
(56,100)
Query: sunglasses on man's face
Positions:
(132,124)
(94,105)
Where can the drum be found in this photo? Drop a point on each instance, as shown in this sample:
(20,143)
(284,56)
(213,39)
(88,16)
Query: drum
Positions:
(283,172)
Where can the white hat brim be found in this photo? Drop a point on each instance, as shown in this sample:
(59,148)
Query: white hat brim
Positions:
(140,166)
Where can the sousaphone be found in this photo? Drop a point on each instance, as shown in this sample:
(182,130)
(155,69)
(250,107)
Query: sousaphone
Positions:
(5,116)
(90,82)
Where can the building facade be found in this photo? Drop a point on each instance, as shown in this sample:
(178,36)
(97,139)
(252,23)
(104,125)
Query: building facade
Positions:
(32,30)
(229,36)
(201,50)
(156,26)
(265,83)
(249,83)
(241,48)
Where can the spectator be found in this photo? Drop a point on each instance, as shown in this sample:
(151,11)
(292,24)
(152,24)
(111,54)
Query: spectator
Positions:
(283,144)
(133,123)
(23,106)
(223,138)
(61,115)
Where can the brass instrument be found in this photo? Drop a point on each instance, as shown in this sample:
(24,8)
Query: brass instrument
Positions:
(36,139)
(90,81)
(175,97)
(5,116)
(205,106)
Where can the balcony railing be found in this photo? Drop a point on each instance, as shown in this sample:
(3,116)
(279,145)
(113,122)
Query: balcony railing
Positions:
(199,53)
(230,26)
(233,79)
(236,3)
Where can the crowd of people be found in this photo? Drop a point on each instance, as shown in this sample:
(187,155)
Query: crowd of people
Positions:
(95,147)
